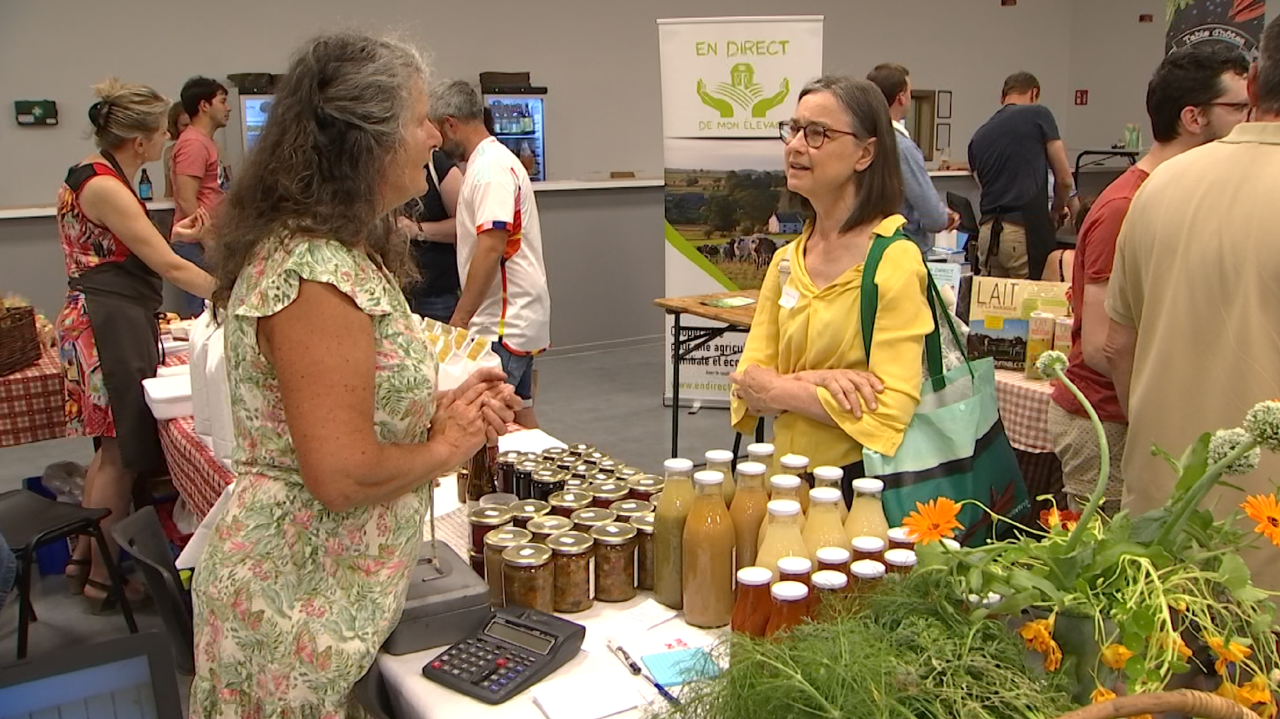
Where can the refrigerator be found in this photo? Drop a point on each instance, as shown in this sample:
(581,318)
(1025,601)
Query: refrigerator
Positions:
(518,123)
(254,110)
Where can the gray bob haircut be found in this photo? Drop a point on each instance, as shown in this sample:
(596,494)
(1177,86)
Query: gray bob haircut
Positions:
(456,99)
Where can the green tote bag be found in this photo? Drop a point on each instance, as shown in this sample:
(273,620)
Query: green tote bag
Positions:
(955,446)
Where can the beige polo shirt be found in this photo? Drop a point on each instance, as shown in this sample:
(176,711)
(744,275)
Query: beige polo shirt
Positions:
(1197,272)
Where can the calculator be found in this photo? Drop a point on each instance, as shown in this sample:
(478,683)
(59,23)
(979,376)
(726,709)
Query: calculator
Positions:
(514,651)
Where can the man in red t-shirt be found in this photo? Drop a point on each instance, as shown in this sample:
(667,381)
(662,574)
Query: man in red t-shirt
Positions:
(197,177)
(1197,95)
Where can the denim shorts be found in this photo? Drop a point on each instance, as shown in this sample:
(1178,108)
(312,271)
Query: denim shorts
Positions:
(437,307)
(519,369)
(188,304)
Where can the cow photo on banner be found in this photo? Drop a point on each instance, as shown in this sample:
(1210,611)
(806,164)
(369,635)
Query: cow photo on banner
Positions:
(726,85)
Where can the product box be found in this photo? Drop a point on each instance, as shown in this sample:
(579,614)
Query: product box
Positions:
(1000,312)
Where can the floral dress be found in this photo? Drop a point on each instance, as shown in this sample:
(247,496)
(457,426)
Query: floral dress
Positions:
(292,601)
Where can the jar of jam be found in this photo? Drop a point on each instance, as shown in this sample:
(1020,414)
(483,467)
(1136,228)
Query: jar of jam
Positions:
(547,482)
(569,501)
(463,476)
(507,462)
(625,473)
(827,584)
(868,548)
(644,551)
(836,559)
(790,607)
(585,520)
(530,457)
(524,479)
(572,559)
(627,509)
(566,463)
(753,605)
(866,573)
(551,455)
(528,578)
(495,543)
(548,524)
(604,494)
(600,477)
(644,486)
(477,562)
(795,569)
(901,538)
(615,561)
(608,466)
(582,471)
(484,520)
(578,451)
(594,458)
(581,485)
(526,509)
(900,561)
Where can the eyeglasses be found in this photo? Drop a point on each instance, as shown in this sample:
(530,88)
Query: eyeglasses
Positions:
(814,135)
(1237,107)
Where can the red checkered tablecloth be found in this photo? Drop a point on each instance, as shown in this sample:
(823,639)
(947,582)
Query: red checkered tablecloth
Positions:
(196,474)
(32,406)
(1024,409)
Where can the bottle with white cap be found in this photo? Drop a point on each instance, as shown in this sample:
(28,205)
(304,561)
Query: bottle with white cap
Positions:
(866,511)
(822,527)
(763,452)
(790,606)
(708,555)
(785,486)
(721,460)
(749,508)
(832,477)
(827,585)
(668,532)
(798,465)
(782,537)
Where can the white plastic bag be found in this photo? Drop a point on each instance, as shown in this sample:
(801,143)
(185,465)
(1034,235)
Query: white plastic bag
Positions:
(460,354)
(219,398)
(201,332)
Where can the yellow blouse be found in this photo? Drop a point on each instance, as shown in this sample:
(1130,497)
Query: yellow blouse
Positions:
(823,330)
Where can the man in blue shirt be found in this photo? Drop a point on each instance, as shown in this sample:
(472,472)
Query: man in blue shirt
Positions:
(924,210)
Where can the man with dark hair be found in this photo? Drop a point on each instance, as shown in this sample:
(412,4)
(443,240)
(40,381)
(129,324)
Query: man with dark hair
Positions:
(1194,339)
(1011,155)
(924,210)
(197,178)
(1197,95)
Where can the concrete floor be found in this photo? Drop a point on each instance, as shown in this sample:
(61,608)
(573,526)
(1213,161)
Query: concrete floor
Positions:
(612,399)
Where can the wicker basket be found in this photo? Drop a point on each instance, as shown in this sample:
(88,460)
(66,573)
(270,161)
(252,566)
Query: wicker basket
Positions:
(19,341)
(1183,702)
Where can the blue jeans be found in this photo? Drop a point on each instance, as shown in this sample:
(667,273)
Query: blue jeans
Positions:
(437,307)
(189,305)
(519,369)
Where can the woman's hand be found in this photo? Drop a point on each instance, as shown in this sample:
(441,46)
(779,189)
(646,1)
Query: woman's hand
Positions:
(192,228)
(753,386)
(408,227)
(846,385)
(459,425)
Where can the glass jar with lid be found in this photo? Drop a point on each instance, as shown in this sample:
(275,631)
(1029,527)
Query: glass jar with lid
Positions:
(721,460)
(582,470)
(528,578)
(608,466)
(623,473)
(836,559)
(644,551)
(668,532)
(530,457)
(604,494)
(580,450)
(627,509)
(866,511)
(795,569)
(832,477)
(615,562)
(782,536)
(900,561)
(644,486)
(585,520)
(763,452)
(547,525)
(868,548)
(798,465)
(507,462)
(827,585)
(866,573)
(567,463)
(901,538)
(572,560)
(579,484)
(790,607)
(495,543)
(569,501)
(594,458)
(484,520)
(551,455)
(547,482)
(753,605)
(823,527)
(785,486)
(524,478)
(526,509)
(595,478)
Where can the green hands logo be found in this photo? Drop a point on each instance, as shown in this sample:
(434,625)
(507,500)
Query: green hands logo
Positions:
(742,90)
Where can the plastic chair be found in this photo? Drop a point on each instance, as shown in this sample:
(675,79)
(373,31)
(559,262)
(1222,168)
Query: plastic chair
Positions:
(141,535)
(28,522)
(372,695)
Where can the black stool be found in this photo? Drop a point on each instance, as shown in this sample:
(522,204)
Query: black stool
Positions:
(28,522)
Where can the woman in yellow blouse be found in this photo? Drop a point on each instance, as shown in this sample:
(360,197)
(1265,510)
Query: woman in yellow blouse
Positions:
(804,360)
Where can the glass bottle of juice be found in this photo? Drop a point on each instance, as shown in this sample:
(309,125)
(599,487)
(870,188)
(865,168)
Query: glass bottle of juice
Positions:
(790,607)
(784,486)
(798,465)
(668,532)
(749,508)
(752,609)
(822,528)
(827,585)
(866,512)
(832,477)
(762,452)
(708,555)
(721,460)
(782,537)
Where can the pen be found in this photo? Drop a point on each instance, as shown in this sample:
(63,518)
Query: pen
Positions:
(662,690)
(624,657)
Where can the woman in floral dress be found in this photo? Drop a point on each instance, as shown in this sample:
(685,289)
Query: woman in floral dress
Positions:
(339,430)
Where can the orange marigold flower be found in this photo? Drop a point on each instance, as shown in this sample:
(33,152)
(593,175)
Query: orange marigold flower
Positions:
(933,521)
(1227,653)
(1053,657)
(1102,694)
(1053,518)
(1116,655)
(1037,634)
(1263,509)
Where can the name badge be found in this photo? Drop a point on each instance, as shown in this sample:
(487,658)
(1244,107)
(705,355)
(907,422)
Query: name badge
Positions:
(789,297)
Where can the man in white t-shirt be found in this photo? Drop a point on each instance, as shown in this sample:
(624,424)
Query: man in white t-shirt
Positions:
(504,279)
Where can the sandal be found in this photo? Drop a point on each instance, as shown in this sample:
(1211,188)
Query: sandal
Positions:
(76,582)
(107,602)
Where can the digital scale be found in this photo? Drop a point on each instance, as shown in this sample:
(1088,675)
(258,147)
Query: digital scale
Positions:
(517,649)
